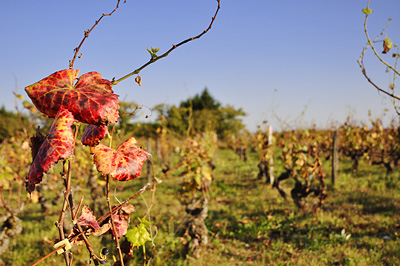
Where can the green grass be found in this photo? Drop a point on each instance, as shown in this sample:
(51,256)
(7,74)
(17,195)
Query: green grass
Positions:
(249,222)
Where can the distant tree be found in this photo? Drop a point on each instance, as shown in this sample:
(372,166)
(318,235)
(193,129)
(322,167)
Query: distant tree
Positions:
(229,121)
(203,113)
(201,102)
(177,119)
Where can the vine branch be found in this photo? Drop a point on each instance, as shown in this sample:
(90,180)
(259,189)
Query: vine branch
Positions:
(174,46)
(68,201)
(60,223)
(121,258)
(370,44)
(87,32)
(153,189)
(377,87)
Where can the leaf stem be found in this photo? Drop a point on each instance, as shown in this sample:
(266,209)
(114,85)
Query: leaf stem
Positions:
(112,221)
(60,222)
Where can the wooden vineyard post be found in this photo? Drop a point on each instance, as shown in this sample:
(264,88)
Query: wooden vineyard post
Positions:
(335,158)
(271,158)
(149,177)
(158,147)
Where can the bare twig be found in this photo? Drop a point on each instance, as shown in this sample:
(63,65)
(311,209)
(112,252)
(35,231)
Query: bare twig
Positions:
(179,164)
(48,255)
(368,39)
(370,44)
(377,87)
(94,257)
(174,46)
(77,210)
(7,206)
(87,32)
(394,81)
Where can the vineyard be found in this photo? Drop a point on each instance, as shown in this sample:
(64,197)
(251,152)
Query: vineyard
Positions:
(83,182)
(204,200)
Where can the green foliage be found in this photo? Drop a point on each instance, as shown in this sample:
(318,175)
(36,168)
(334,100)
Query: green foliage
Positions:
(177,119)
(14,160)
(138,129)
(229,123)
(153,52)
(139,235)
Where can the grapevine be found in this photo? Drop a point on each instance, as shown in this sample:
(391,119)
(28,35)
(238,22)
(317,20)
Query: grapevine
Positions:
(302,162)
(74,101)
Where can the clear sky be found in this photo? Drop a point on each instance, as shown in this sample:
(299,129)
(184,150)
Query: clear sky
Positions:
(271,58)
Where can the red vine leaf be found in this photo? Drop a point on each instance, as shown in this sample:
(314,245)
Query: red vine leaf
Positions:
(94,134)
(87,219)
(121,225)
(57,145)
(91,100)
(123,164)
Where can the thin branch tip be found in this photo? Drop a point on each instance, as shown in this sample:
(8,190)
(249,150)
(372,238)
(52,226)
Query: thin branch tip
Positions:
(152,60)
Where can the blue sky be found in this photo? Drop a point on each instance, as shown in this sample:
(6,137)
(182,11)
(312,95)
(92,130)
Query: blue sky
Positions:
(271,58)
